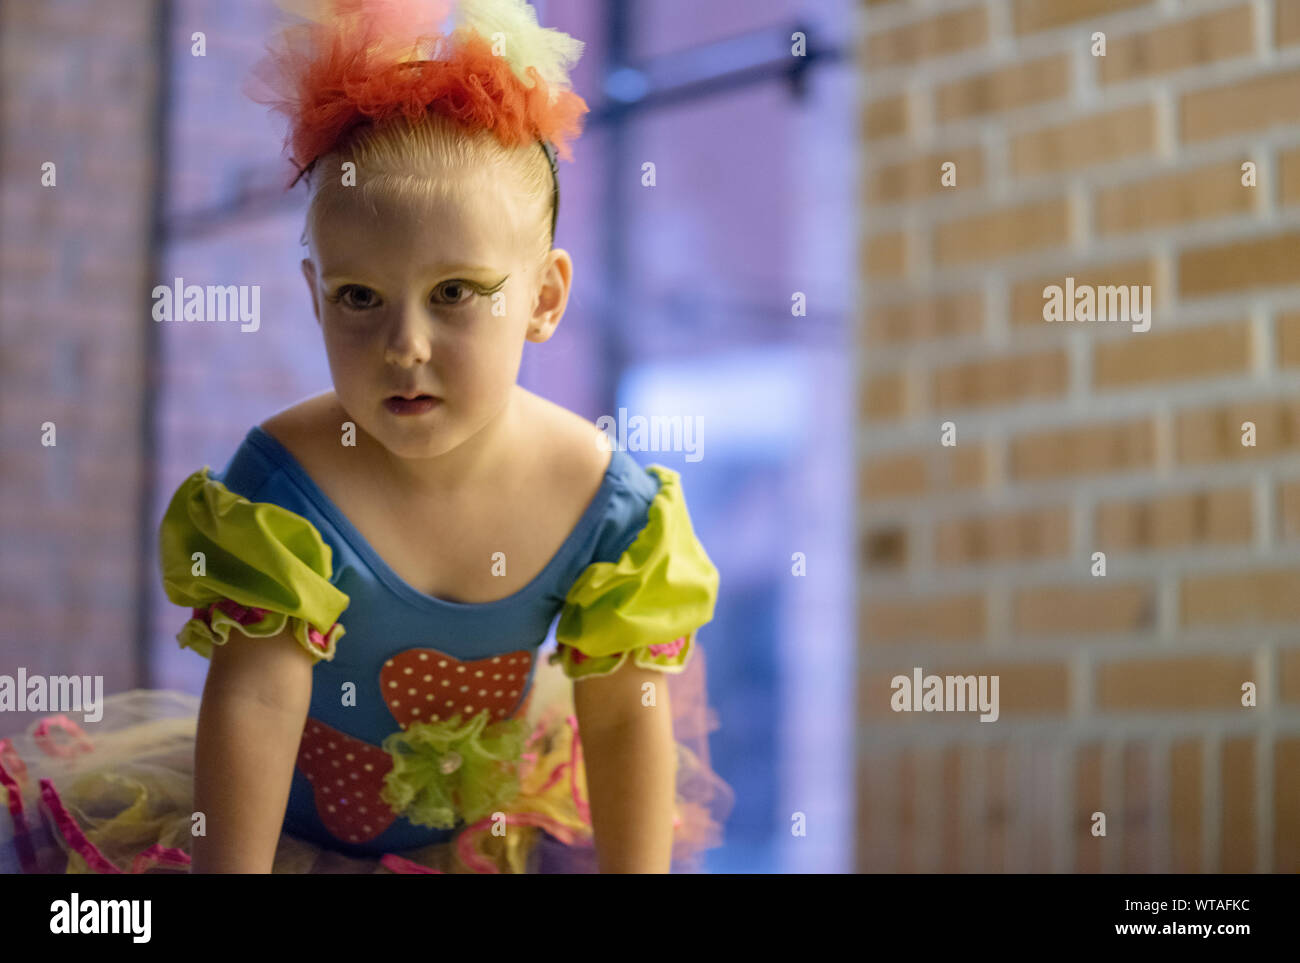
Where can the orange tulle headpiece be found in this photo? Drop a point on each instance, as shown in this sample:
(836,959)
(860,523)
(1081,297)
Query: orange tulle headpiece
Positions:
(484,63)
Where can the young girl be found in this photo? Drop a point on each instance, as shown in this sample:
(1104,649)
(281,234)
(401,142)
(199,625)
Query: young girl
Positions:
(375,569)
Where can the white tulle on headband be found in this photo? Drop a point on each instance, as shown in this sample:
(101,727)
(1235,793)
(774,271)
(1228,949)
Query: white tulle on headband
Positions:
(509,25)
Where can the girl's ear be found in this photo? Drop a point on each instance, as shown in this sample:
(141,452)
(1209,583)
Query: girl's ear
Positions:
(309,272)
(555,280)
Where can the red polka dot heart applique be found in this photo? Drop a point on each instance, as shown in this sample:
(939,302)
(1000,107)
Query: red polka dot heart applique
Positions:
(346,776)
(425,685)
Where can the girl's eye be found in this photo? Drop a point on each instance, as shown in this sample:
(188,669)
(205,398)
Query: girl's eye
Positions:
(460,292)
(464,290)
(341,295)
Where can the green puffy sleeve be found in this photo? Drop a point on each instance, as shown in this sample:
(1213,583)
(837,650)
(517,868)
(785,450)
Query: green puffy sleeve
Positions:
(251,566)
(649,604)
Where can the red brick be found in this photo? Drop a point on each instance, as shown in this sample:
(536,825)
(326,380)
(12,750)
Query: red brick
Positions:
(1232,598)
(1240,794)
(1086,450)
(1286,805)
(1186,683)
(1087,609)
(1185,807)
(1088,798)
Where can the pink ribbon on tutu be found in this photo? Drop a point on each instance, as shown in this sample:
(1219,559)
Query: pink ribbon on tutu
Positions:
(14,797)
(44,736)
(400,864)
(155,855)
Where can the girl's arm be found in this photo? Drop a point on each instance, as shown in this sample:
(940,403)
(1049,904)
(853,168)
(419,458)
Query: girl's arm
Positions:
(630,759)
(250,723)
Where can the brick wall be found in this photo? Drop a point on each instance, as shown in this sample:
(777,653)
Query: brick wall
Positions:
(1119,693)
(80,88)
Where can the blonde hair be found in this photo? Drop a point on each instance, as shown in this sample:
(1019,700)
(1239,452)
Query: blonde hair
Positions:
(399,161)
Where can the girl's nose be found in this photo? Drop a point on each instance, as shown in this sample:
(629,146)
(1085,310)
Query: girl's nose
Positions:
(410,337)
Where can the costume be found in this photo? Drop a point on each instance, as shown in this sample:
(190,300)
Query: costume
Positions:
(454,724)
(436,740)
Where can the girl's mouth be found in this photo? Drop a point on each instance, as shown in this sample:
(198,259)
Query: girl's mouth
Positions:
(411,406)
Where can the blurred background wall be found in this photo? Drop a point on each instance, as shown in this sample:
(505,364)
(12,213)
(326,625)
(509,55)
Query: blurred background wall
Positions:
(1121,693)
(682,304)
(82,90)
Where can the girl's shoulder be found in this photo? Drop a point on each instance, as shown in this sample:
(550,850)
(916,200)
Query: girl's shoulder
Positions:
(310,431)
(299,427)
(574,454)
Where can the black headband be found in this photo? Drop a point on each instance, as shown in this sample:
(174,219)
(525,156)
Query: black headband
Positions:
(549,150)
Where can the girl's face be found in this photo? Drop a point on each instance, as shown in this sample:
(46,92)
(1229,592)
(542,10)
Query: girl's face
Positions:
(436,298)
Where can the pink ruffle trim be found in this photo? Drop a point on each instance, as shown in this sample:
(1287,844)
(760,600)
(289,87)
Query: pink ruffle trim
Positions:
(251,615)
(662,648)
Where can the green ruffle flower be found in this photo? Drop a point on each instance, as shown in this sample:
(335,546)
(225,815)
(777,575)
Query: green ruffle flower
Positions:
(445,770)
